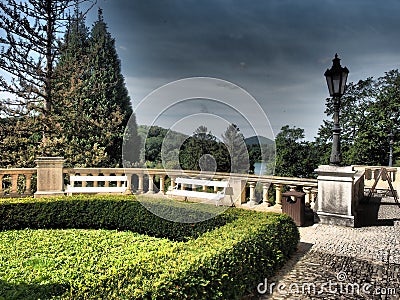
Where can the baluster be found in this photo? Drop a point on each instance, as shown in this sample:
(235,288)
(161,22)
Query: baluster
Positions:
(95,183)
(278,195)
(140,184)
(1,184)
(172,182)
(161,191)
(84,183)
(265,193)
(28,182)
(151,184)
(314,192)
(307,191)
(252,192)
(14,184)
(128,184)
(106,183)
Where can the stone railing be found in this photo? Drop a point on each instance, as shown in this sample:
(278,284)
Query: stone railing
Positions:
(16,182)
(142,180)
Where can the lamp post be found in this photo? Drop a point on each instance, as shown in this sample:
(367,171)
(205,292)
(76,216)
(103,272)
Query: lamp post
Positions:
(336,78)
(391,142)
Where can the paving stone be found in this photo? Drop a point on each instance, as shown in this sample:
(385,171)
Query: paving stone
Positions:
(343,263)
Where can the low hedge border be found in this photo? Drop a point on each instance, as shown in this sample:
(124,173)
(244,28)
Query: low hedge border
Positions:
(221,262)
(109,212)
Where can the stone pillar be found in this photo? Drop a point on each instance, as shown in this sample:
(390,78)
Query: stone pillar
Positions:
(14,185)
(265,193)
(140,184)
(307,191)
(151,184)
(172,182)
(50,181)
(106,183)
(239,191)
(336,201)
(1,185)
(278,195)
(161,191)
(215,189)
(252,198)
(28,183)
(128,184)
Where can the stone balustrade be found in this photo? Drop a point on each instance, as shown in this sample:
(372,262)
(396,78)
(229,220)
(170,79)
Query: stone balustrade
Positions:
(16,182)
(141,180)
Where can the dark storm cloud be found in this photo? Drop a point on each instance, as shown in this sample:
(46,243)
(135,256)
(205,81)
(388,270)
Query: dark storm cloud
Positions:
(278,49)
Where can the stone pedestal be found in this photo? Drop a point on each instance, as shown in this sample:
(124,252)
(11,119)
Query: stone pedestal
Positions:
(50,181)
(238,190)
(336,200)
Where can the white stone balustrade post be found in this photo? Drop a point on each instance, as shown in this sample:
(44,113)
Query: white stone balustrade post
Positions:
(28,182)
(140,184)
(252,198)
(161,191)
(14,185)
(106,183)
(151,184)
(278,195)
(265,193)
(1,185)
(172,182)
(307,191)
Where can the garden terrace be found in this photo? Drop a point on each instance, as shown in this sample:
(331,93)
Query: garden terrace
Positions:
(110,247)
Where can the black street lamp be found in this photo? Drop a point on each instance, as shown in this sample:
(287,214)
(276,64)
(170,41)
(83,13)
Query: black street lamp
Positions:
(391,142)
(336,78)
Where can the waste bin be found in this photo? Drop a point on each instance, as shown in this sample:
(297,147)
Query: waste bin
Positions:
(293,204)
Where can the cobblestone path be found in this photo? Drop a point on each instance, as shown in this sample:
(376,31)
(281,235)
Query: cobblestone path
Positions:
(343,263)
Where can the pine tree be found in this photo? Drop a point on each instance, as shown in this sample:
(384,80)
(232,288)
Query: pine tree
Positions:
(234,141)
(108,92)
(95,104)
(29,51)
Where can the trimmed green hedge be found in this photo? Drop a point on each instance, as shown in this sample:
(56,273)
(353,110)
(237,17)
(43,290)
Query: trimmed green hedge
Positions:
(222,259)
(110,212)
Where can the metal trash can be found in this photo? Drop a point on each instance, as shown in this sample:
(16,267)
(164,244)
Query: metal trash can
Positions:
(293,204)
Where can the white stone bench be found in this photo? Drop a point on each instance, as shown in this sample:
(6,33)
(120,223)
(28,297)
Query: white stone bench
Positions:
(217,197)
(72,189)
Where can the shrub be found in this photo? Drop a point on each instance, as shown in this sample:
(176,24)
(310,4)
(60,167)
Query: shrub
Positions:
(108,212)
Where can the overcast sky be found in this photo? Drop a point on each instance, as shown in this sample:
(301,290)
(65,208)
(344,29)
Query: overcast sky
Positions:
(276,50)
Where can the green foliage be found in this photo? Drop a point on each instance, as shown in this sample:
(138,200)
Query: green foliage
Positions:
(295,157)
(222,263)
(94,106)
(31,49)
(202,151)
(235,144)
(80,108)
(369,112)
(122,213)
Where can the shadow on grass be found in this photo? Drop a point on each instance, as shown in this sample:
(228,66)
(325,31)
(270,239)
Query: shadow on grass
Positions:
(25,291)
